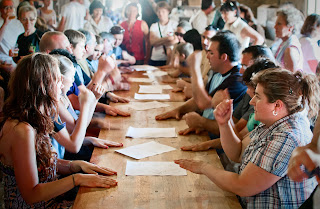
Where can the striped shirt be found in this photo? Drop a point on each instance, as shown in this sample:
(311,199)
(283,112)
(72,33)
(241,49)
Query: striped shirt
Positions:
(270,149)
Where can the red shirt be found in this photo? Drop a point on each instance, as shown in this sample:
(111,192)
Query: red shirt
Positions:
(133,39)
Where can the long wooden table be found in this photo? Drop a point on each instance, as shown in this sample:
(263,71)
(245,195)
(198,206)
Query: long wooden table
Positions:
(155,192)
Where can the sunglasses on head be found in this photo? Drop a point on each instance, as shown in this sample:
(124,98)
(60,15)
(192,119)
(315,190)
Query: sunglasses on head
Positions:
(179,34)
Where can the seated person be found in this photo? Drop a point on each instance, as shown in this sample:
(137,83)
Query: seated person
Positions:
(66,111)
(29,164)
(93,60)
(122,56)
(224,74)
(74,91)
(205,37)
(28,42)
(77,42)
(183,50)
(82,46)
(242,112)
(282,102)
(194,120)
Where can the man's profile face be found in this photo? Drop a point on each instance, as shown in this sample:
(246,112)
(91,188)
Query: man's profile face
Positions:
(213,56)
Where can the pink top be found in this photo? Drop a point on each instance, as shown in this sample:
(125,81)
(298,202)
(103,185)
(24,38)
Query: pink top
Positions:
(133,39)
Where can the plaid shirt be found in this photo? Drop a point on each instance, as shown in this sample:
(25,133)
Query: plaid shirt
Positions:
(270,149)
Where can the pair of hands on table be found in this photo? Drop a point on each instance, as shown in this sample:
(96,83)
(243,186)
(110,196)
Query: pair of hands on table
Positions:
(92,178)
(102,143)
(223,114)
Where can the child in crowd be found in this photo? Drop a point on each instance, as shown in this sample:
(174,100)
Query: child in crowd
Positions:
(93,60)
(78,42)
(122,56)
(69,116)
(183,50)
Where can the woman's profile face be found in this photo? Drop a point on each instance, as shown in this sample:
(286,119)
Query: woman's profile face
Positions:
(59,84)
(281,28)
(132,13)
(263,109)
(97,13)
(68,79)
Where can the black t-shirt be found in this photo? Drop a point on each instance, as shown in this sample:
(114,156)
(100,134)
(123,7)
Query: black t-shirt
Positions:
(29,44)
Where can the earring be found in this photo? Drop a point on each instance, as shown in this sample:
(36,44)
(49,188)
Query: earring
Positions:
(274,113)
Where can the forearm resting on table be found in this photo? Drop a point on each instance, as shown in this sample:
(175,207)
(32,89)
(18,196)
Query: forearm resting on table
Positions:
(47,191)
(248,183)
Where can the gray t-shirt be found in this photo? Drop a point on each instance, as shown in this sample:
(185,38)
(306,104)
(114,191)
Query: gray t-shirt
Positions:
(244,109)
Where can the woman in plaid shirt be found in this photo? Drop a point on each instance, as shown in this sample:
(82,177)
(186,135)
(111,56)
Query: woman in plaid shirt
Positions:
(283,102)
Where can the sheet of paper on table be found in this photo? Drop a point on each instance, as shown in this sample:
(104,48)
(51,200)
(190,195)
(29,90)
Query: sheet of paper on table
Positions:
(160,86)
(155,73)
(141,80)
(154,169)
(151,96)
(146,105)
(150,89)
(151,132)
(144,67)
(145,150)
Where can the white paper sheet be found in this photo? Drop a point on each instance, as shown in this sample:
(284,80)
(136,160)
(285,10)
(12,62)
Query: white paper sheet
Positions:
(144,67)
(154,169)
(155,73)
(150,89)
(146,105)
(141,80)
(145,150)
(160,86)
(151,96)
(151,132)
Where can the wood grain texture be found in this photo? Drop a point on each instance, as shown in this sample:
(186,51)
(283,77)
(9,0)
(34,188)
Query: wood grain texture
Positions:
(154,192)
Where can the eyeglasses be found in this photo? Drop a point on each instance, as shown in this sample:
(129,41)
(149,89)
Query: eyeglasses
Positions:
(179,34)
(31,19)
(8,7)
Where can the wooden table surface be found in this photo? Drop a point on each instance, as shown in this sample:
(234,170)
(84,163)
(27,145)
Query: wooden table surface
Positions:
(134,87)
(153,192)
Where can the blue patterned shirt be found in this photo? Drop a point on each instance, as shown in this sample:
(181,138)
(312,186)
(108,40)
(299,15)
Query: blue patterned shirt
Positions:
(270,149)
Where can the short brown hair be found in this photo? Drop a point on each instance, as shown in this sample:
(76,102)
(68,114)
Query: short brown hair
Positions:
(75,37)
(163,5)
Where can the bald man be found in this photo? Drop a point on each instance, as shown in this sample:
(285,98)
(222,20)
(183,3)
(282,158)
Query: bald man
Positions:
(54,40)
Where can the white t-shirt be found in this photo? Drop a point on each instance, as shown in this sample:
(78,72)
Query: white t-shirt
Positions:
(311,54)
(200,20)
(236,28)
(10,36)
(104,25)
(74,14)
(158,53)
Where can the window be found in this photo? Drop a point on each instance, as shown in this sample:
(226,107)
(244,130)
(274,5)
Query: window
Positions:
(313,6)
